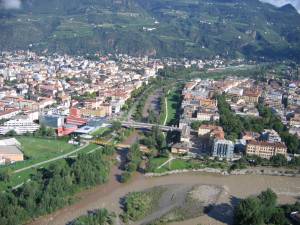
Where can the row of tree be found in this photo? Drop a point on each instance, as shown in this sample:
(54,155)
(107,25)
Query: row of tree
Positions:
(51,188)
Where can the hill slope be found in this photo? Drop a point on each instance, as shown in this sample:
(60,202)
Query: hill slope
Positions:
(177,28)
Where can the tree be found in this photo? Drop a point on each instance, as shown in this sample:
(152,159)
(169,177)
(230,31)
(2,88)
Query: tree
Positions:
(137,204)
(116,125)
(97,217)
(5,175)
(11,133)
(279,160)
(248,212)
(125,177)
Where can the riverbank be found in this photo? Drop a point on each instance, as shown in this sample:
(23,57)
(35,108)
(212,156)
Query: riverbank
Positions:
(270,171)
(236,186)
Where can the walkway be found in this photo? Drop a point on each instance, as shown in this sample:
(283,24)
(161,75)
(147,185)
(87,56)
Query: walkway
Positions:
(166,109)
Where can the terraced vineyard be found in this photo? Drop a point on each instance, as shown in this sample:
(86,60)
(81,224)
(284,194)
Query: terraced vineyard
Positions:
(177,28)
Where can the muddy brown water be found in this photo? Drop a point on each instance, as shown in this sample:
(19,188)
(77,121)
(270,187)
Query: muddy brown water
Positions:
(236,187)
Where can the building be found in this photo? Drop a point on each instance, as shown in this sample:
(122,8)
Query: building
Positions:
(9,113)
(20,126)
(251,95)
(211,131)
(185,134)
(54,121)
(10,151)
(180,148)
(271,136)
(223,148)
(265,149)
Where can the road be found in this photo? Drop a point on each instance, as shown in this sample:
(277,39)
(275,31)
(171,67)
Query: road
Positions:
(52,160)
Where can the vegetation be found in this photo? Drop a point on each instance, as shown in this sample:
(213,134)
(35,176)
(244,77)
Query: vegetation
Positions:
(139,204)
(97,217)
(181,164)
(262,209)
(173,97)
(132,163)
(155,139)
(275,161)
(233,124)
(52,188)
(186,28)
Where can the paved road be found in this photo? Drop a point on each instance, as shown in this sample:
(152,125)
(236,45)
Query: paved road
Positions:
(51,160)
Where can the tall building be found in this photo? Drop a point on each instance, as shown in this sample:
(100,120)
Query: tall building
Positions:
(54,121)
(223,148)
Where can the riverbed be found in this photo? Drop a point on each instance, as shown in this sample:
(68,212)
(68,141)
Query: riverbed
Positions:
(235,186)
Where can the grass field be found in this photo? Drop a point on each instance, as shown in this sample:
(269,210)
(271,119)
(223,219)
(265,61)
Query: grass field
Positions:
(181,164)
(100,131)
(173,101)
(39,150)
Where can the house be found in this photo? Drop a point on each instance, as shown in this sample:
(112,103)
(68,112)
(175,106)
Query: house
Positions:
(211,131)
(271,136)
(180,148)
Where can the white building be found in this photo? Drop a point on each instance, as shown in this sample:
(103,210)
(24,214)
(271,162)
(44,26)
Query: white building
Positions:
(20,126)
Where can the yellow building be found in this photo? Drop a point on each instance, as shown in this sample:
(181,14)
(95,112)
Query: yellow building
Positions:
(265,149)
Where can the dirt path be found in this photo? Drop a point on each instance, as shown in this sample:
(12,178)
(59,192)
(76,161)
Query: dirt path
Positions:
(108,195)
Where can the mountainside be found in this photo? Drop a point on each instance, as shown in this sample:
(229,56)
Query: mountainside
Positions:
(176,28)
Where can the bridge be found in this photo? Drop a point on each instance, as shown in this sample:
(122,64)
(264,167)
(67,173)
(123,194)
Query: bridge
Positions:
(148,126)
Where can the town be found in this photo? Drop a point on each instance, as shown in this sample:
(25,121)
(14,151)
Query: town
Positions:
(244,96)
(145,117)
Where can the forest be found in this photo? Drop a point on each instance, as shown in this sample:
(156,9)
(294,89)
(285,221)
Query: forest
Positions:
(52,188)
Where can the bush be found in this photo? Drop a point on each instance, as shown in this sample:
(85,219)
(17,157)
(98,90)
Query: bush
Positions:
(137,204)
(125,177)
(97,217)
(5,175)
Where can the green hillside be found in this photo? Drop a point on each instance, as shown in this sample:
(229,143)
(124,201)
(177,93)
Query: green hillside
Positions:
(176,28)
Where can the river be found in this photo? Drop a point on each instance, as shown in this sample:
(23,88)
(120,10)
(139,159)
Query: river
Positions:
(235,186)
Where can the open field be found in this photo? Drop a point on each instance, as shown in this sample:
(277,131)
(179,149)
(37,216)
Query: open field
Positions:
(173,102)
(181,164)
(38,150)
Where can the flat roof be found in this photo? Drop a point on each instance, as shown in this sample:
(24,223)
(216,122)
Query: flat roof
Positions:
(8,150)
(85,130)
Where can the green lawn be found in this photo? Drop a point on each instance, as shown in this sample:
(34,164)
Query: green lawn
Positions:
(173,101)
(180,164)
(39,149)
(100,131)
(37,155)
